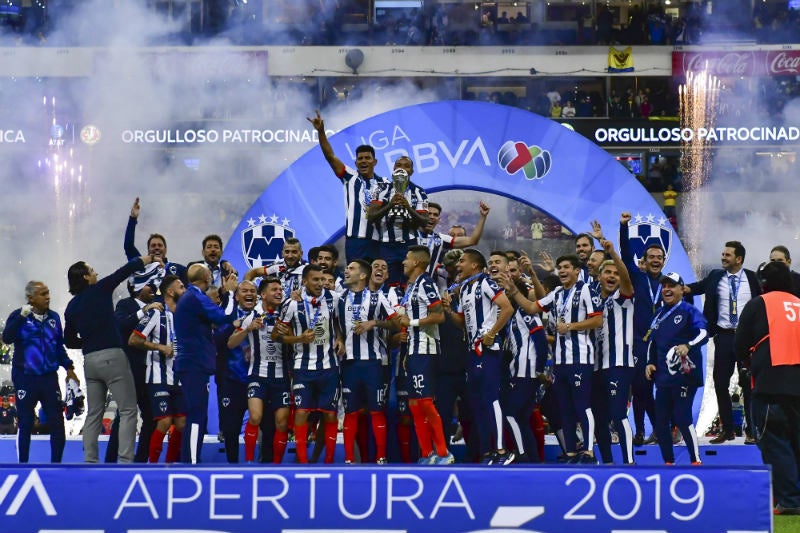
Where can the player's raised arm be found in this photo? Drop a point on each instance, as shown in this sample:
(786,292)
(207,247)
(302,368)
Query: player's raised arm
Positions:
(327,150)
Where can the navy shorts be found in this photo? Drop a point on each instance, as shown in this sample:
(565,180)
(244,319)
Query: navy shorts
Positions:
(272,391)
(363,386)
(420,376)
(360,248)
(316,389)
(518,395)
(167,400)
(401,390)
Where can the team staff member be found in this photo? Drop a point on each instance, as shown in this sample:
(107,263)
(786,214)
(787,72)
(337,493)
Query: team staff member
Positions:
(314,332)
(781,254)
(35,331)
(361,187)
(91,326)
(195,355)
(676,365)
(155,333)
(768,340)
(647,288)
(727,291)
(268,380)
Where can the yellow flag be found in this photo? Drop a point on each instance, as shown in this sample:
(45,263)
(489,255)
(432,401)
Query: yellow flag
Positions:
(620,61)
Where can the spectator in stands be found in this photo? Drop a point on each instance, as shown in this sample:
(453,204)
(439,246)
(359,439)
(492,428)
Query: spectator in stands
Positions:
(503,18)
(670,202)
(645,109)
(569,110)
(585,108)
(605,23)
(520,18)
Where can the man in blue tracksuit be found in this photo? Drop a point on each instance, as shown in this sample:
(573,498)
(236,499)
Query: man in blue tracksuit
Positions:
(35,330)
(195,355)
(676,334)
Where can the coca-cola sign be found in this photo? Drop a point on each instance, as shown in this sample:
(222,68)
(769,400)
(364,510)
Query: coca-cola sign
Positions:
(738,63)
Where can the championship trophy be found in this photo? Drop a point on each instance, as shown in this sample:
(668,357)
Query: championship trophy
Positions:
(398,212)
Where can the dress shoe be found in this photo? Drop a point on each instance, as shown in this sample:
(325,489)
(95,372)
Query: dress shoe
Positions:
(722,437)
(638,439)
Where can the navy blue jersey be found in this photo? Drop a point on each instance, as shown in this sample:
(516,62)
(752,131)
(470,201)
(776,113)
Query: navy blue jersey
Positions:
(38,342)
(237,359)
(195,350)
(681,323)
(647,288)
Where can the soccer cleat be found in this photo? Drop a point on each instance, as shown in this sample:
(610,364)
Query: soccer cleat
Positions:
(348,462)
(563,459)
(427,460)
(574,459)
(651,439)
(382,461)
(722,437)
(677,437)
(488,459)
(446,460)
(669,463)
(503,459)
(521,458)
(749,439)
(697,463)
(586,458)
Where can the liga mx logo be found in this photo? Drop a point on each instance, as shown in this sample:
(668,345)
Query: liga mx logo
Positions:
(263,239)
(534,161)
(646,231)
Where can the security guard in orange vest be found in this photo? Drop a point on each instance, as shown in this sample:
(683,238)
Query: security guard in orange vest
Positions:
(768,339)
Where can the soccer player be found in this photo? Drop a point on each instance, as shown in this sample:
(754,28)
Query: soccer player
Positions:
(577,312)
(157,247)
(289,269)
(35,331)
(420,312)
(675,337)
(362,315)
(398,232)
(484,310)
(155,333)
(268,381)
(439,243)
(361,187)
(195,356)
(615,355)
(526,346)
(317,341)
(90,325)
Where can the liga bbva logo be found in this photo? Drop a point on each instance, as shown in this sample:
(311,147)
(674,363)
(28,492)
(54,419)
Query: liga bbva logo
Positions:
(534,161)
(646,230)
(263,239)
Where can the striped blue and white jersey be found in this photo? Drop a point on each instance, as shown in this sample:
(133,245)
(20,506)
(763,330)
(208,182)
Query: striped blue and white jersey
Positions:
(291,278)
(573,305)
(158,327)
(398,229)
(438,244)
(526,342)
(476,303)
(615,338)
(318,314)
(355,307)
(359,193)
(265,355)
(420,297)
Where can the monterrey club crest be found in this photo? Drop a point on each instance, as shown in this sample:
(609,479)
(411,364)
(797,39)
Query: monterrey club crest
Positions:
(644,231)
(262,240)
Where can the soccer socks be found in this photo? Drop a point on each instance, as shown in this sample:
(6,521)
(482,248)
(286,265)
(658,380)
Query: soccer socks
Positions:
(250,440)
(174,446)
(279,441)
(362,437)
(435,427)
(422,428)
(301,440)
(404,438)
(156,444)
(350,429)
(331,431)
(379,430)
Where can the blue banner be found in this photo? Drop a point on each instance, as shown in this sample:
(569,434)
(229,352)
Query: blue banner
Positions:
(467,499)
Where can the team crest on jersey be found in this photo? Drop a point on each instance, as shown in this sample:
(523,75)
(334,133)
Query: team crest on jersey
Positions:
(645,231)
(21,394)
(678,319)
(263,239)
(226,402)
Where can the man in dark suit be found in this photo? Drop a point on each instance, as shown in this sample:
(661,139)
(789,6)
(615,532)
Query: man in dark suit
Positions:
(128,313)
(781,254)
(726,292)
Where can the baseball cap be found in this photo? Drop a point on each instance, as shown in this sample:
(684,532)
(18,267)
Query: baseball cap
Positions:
(672,277)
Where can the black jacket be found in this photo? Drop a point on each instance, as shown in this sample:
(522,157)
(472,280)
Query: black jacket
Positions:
(128,314)
(708,287)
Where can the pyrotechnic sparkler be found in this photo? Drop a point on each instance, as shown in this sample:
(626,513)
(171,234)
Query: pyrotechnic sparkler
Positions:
(698,108)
